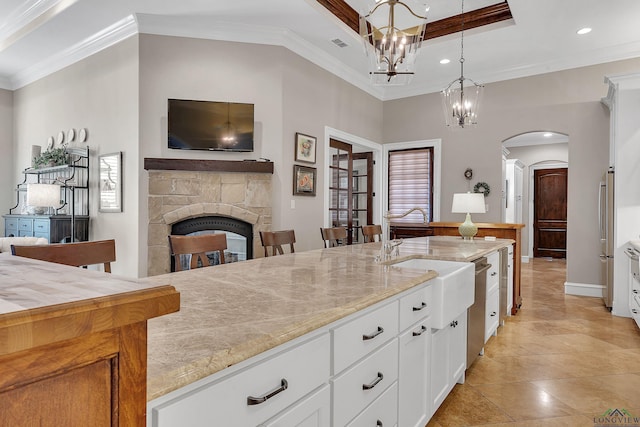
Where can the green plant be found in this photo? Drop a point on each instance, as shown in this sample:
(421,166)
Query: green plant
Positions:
(52,157)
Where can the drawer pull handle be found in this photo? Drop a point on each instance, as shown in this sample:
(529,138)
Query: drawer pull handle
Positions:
(493,313)
(635,291)
(423,305)
(379,423)
(423,329)
(634,311)
(454,323)
(374,383)
(258,400)
(494,274)
(373,335)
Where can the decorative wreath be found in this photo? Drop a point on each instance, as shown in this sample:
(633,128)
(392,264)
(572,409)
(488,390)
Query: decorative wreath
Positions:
(482,187)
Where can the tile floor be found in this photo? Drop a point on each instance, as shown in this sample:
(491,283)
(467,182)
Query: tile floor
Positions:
(561,361)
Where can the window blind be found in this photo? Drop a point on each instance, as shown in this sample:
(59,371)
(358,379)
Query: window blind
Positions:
(410,182)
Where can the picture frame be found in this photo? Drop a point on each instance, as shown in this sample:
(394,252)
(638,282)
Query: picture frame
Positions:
(110,182)
(305,148)
(304,181)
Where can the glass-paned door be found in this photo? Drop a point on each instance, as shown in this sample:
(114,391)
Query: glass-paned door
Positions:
(361,195)
(341,187)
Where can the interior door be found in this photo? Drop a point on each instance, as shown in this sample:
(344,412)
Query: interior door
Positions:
(550,213)
(341,187)
(362,194)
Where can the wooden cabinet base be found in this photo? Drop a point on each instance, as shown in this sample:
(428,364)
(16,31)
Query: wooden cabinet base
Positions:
(79,364)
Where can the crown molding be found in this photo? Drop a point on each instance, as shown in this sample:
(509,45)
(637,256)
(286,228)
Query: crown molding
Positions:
(23,15)
(108,37)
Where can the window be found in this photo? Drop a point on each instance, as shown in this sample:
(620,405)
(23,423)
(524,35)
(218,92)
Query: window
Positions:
(411,183)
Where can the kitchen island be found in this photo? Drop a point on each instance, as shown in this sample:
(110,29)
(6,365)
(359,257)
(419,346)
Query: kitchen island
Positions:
(234,317)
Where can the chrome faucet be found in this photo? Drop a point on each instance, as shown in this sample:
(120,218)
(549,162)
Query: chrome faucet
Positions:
(390,248)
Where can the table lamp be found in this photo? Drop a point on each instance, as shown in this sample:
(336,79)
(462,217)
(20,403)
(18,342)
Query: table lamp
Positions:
(468,203)
(42,197)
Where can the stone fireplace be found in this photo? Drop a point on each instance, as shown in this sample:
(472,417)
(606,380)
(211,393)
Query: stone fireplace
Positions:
(179,195)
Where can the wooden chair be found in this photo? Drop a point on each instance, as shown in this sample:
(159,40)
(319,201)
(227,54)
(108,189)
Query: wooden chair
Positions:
(197,246)
(275,240)
(335,236)
(78,254)
(370,232)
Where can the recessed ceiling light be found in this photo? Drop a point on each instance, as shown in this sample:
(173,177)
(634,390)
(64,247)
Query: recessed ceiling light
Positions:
(548,135)
(584,30)
(445,61)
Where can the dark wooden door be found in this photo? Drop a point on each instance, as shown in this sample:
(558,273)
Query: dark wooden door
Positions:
(550,213)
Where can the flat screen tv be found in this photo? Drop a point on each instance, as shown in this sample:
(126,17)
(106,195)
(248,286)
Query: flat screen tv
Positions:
(209,125)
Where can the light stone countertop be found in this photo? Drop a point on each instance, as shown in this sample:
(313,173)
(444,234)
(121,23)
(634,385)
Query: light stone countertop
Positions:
(231,312)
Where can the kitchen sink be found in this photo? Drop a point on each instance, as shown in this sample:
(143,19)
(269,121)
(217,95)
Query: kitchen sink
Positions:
(453,289)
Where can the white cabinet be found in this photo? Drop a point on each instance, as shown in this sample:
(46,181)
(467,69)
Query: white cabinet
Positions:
(634,290)
(251,395)
(492,308)
(361,384)
(313,411)
(510,280)
(414,355)
(448,359)
(381,413)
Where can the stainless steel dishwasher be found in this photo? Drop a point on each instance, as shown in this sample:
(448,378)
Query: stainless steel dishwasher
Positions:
(476,313)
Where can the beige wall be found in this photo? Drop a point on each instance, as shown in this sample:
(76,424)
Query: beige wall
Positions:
(99,93)
(290,95)
(535,155)
(120,96)
(567,102)
(7,195)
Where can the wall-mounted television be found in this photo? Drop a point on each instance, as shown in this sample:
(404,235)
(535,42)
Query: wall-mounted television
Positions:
(210,125)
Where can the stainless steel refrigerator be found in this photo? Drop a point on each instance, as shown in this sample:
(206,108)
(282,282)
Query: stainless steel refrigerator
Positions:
(606,218)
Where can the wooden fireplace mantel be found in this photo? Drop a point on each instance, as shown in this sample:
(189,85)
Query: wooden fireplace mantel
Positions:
(246,166)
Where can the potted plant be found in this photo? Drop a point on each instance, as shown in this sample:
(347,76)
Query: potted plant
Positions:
(52,157)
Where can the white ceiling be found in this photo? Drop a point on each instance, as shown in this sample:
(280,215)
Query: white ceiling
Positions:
(38,37)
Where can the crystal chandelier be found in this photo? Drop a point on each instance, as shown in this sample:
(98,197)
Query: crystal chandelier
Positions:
(392,51)
(461,105)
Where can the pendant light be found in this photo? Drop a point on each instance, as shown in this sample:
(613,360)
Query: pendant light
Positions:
(461,104)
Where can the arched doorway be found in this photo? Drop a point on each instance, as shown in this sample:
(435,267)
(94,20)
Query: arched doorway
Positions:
(533,151)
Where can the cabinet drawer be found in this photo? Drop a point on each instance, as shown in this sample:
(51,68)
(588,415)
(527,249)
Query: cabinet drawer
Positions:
(361,336)
(491,314)
(364,382)
(11,226)
(493,273)
(25,225)
(415,307)
(225,402)
(382,412)
(41,226)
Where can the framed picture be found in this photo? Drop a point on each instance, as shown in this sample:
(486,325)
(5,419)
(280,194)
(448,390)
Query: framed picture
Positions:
(304,181)
(305,148)
(110,181)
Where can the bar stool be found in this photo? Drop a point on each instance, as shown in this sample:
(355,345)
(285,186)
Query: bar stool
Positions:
(370,232)
(334,236)
(275,240)
(197,246)
(78,254)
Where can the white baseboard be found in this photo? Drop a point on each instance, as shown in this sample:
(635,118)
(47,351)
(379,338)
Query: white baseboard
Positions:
(583,289)
(525,259)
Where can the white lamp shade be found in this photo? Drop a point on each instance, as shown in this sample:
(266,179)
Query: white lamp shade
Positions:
(468,203)
(43,195)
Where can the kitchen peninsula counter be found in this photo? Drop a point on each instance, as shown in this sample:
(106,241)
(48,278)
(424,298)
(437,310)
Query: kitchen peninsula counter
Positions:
(73,344)
(232,312)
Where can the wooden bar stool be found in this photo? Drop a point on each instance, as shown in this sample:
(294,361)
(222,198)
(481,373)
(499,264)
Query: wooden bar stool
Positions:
(78,254)
(370,232)
(334,236)
(275,240)
(197,246)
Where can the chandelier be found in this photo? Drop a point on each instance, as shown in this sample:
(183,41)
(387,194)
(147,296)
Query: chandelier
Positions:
(391,50)
(461,105)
